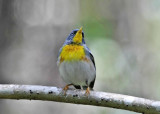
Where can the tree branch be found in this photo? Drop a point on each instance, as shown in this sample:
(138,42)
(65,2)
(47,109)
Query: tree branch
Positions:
(95,98)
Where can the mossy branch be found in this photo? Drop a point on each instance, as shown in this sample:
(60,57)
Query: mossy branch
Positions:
(95,98)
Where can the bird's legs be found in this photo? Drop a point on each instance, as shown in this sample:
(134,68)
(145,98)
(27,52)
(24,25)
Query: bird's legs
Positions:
(66,88)
(87,91)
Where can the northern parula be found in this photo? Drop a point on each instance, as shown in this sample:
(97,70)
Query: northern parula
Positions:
(76,62)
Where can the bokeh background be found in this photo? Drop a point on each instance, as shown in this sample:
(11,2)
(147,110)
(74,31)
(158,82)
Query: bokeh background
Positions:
(123,36)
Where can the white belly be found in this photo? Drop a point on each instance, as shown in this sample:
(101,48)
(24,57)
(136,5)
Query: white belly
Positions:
(77,72)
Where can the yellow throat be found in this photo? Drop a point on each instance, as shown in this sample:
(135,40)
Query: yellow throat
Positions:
(72,53)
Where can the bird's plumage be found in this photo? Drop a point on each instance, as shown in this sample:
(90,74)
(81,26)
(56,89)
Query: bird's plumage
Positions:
(76,62)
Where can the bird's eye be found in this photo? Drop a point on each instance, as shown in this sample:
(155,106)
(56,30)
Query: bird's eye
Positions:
(74,32)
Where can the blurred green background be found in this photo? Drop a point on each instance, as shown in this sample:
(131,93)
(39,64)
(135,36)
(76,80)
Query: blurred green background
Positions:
(123,36)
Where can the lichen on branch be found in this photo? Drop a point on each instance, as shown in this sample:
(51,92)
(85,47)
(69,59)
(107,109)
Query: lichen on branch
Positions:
(95,98)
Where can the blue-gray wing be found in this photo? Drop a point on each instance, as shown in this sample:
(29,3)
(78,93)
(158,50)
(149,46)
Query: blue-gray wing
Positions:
(89,54)
(92,59)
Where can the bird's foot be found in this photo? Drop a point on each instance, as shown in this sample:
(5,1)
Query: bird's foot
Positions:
(66,88)
(87,91)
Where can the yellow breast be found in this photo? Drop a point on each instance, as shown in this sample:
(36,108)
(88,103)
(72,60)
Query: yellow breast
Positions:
(72,52)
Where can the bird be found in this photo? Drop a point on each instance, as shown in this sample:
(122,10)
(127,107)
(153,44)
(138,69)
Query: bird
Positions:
(76,63)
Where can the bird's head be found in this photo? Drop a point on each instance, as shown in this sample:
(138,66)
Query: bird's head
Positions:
(76,37)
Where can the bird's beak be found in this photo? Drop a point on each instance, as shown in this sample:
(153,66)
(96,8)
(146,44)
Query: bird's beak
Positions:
(80,30)
(78,37)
